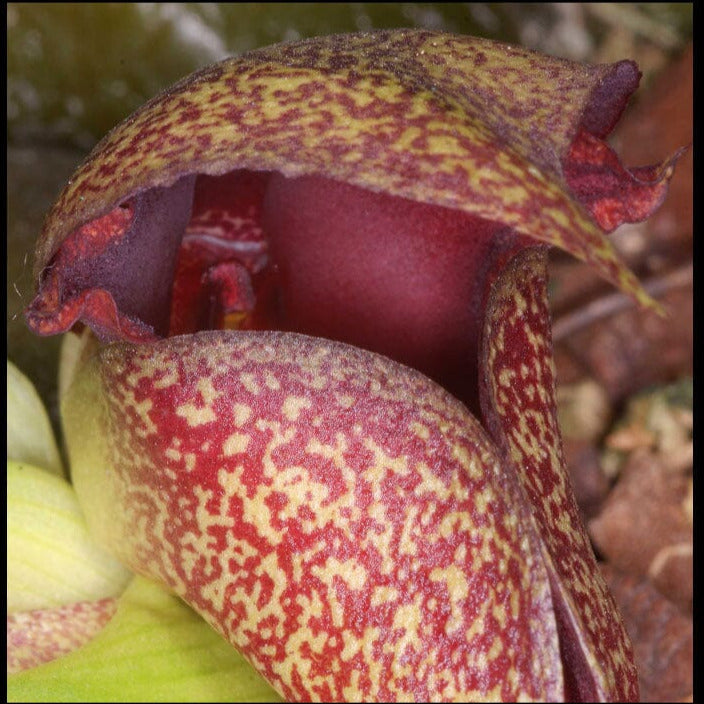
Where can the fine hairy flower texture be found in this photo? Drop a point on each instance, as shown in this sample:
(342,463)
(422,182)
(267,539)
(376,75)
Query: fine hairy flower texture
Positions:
(319,399)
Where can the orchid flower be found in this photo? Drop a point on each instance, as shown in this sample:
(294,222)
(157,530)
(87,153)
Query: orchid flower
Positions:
(318,402)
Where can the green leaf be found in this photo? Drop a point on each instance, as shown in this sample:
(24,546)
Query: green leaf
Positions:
(30,438)
(154,649)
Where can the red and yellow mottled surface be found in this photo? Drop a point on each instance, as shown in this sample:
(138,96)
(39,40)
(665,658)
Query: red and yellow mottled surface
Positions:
(341,519)
(521,414)
(455,121)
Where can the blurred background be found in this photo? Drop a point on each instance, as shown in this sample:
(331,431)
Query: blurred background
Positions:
(76,70)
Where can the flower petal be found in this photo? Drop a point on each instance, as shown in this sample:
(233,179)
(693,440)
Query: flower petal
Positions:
(448,120)
(613,194)
(30,438)
(518,401)
(51,558)
(341,519)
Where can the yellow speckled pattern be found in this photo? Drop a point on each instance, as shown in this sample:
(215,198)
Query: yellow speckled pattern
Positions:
(521,415)
(345,522)
(451,120)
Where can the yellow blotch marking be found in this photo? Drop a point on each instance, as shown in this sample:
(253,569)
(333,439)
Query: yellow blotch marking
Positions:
(269,566)
(352,692)
(142,409)
(406,543)
(190,460)
(301,560)
(353,573)
(301,491)
(188,561)
(336,611)
(195,416)
(312,607)
(432,484)
(442,144)
(207,390)
(271,381)
(331,452)
(407,619)
(278,438)
(249,381)
(513,681)
(255,511)
(352,645)
(336,454)
(499,613)
(297,639)
(293,405)
(520,303)
(477,626)
(169,379)
(515,604)
(381,462)
(422,431)
(484,554)
(381,542)
(471,464)
(405,140)
(384,595)
(506,377)
(239,549)
(496,649)
(457,589)
(270,651)
(198,544)
(345,401)
(173,454)
(455,522)
(537,342)
(241,413)
(483,499)
(526,441)
(444,679)
(235,444)
(563,523)
(516,455)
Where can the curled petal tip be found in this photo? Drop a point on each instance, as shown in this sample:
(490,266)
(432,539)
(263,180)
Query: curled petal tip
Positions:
(611,193)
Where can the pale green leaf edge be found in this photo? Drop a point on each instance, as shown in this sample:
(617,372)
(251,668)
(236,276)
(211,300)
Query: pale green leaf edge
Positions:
(154,649)
(30,437)
(52,560)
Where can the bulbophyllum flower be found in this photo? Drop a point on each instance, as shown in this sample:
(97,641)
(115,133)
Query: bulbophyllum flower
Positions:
(325,412)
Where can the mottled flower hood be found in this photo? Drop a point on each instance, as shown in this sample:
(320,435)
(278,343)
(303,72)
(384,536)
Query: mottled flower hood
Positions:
(497,132)
(341,519)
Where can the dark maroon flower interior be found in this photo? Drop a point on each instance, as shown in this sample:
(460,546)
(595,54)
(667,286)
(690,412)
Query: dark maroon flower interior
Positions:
(332,260)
